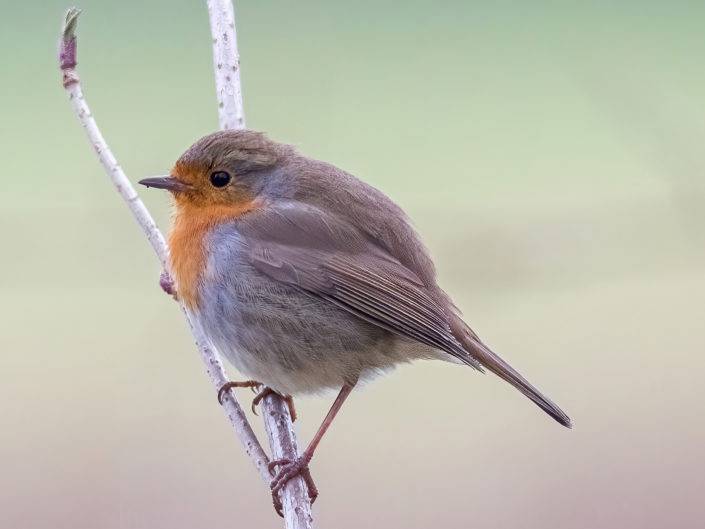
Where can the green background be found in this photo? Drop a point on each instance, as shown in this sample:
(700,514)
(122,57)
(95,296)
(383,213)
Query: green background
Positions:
(550,153)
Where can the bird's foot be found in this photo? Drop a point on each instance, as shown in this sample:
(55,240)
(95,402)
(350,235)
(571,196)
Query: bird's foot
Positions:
(261,390)
(225,388)
(268,391)
(289,469)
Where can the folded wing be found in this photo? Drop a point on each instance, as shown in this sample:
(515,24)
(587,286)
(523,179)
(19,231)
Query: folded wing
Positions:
(303,246)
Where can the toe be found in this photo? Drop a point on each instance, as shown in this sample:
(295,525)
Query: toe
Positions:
(278,507)
(272,465)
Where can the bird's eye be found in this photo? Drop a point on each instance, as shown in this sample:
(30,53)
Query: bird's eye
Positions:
(220,179)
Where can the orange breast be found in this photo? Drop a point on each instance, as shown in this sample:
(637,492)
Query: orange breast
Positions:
(187,251)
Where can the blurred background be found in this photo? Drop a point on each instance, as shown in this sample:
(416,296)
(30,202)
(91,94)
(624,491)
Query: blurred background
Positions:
(550,154)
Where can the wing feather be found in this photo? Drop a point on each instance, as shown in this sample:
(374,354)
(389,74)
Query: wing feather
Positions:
(320,253)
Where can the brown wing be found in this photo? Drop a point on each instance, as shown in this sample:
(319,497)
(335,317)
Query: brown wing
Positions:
(301,245)
(318,252)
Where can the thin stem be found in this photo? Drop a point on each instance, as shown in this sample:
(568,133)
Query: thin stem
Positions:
(275,412)
(214,367)
(297,508)
(226,63)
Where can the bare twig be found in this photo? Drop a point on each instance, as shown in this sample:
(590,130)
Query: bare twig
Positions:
(67,52)
(226,63)
(294,497)
(296,505)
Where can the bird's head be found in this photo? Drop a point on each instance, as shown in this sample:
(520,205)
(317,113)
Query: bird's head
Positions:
(227,169)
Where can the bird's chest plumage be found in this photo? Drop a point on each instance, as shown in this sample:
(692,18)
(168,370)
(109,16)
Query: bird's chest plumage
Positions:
(287,338)
(187,256)
(188,245)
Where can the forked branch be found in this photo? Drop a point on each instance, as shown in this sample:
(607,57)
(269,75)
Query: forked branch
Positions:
(297,508)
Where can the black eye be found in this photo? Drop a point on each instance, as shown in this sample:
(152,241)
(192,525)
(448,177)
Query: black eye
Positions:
(220,179)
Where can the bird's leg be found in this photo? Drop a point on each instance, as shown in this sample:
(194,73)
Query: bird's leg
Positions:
(289,469)
(225,388)
(305,473)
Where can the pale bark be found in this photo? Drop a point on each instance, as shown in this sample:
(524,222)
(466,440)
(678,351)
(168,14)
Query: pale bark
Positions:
(296,506)
(297,509)
(226,63)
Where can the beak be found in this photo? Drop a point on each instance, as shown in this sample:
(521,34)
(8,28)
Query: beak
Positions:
(169,183)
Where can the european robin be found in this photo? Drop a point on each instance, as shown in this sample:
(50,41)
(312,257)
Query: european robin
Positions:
(307,278)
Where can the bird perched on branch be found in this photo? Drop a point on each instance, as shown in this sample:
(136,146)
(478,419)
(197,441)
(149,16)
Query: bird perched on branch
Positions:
(307,278)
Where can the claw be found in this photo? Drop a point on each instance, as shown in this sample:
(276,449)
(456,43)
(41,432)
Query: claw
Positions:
(268,391)
(258,398)
(278,507)
(292,410)
(288,470)
(262,393)
(230,385)
(272,465)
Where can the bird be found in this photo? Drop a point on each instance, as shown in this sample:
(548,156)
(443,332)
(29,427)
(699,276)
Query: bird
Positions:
(307,279)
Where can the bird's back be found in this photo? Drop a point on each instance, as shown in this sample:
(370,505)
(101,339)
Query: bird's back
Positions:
(367,209)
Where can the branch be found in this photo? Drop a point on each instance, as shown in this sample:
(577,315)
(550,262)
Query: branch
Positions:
(71,81)
(226,63)
(294,497)
(296,505)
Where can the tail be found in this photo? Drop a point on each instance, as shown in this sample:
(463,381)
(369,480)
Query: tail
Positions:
(499,367)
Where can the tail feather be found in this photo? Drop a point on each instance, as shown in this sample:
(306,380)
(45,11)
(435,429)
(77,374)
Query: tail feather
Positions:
(502,369)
